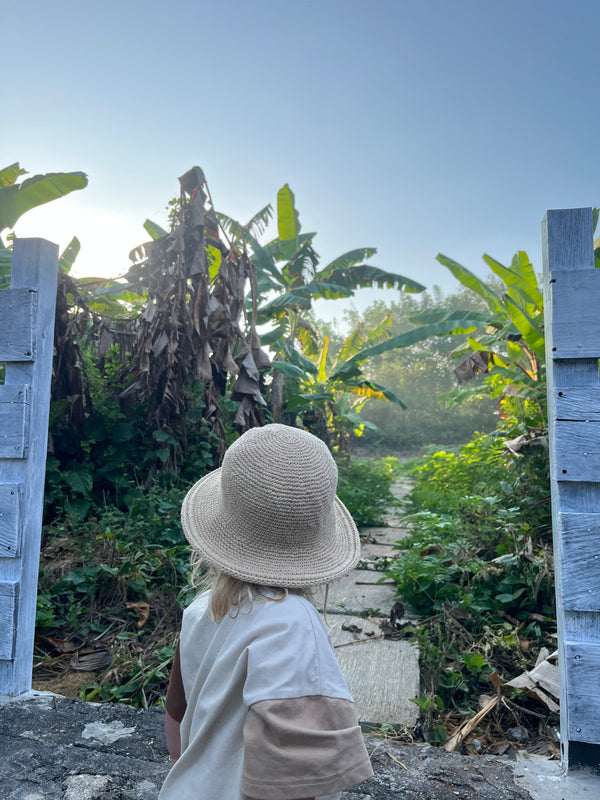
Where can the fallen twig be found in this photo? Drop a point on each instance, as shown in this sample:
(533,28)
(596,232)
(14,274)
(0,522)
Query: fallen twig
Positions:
(358,641)
(396,760)
(374,583)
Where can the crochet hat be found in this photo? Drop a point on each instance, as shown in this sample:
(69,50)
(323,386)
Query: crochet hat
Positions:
(270,514)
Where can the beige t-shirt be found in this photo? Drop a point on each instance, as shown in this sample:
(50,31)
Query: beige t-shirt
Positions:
(267,713)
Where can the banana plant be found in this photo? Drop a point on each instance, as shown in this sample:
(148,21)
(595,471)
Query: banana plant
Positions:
(290,276)
(508,342)
(326,403)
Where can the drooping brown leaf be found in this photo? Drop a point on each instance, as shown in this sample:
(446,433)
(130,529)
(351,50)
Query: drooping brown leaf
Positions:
(142,609)
(191,328)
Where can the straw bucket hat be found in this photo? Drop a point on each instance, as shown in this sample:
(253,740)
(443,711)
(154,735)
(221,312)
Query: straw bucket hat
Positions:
(270,515)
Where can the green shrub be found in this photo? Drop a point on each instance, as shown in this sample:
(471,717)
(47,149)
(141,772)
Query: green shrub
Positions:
(364,488)
(477,568)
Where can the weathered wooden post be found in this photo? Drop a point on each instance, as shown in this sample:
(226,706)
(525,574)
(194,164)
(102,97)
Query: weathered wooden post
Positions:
(26,344)
(572,326)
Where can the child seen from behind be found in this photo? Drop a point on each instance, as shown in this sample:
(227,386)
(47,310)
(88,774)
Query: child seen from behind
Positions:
(257,706)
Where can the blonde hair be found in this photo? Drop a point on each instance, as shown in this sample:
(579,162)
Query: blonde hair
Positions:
(228,594)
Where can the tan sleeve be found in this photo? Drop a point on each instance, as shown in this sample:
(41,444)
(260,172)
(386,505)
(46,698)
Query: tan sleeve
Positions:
(176,703)
(302,747)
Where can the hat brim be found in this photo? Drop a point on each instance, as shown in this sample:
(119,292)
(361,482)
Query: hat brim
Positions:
(211,531)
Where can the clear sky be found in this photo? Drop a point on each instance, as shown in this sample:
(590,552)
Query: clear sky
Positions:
(416,127)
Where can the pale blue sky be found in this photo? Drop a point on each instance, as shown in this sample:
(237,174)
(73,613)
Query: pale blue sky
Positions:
(414,127)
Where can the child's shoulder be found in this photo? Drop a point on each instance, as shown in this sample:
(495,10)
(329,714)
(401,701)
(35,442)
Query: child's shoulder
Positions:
(198,607)
(293,618)
(293,608)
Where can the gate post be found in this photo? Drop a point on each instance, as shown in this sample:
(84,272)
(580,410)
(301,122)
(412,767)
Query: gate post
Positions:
(26,345)
(572,329)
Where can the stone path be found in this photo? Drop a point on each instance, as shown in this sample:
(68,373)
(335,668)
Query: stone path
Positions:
(382,674)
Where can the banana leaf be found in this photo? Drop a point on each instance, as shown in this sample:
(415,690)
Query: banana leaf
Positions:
(154,230)
(445,328)
(348,259)
(288,222)
(528,329)
(16,199)
(9,175)
(365,275)
(69,254)
(366,388)
(471,281)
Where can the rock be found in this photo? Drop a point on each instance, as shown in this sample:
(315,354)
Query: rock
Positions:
(56,748)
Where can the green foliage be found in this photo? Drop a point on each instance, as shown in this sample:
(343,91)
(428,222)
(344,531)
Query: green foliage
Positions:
(509,343)
(419,375)
(477,568)
(110,458)
(364,488)
(90,572)
(289,267)
(17,198)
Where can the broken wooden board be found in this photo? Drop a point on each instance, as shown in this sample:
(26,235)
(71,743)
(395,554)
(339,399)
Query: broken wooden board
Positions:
(540,682)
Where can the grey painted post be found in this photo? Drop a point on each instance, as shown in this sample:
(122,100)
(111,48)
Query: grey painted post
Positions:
(572,326)
(26,344)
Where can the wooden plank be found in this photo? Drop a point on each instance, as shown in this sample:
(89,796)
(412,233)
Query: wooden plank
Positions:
(35,265)
(567,247)
(14,421)
(567,240)
(576,449)
(578,498)
(583,690)
(577,466)
(580,561)
(17,313)
(574,340)
(575,296)
(583,669)
(581,626)
(10,519)
(584,718)
(9,592)
(577,402)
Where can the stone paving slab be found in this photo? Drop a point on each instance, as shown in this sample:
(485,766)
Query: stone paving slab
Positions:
(382,674)
(358,593)
(383,536)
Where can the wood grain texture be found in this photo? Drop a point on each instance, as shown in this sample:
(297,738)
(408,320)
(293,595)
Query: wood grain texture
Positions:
(581,626)
(576,450)
(571,340)
(17,311)
(572,351)
(10,519)
(578,498)
(584,718)
(34,266)
(580,556)
(9,592)
(577,403)
(583,673)
(567,240)
(575,296)
(14,421)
